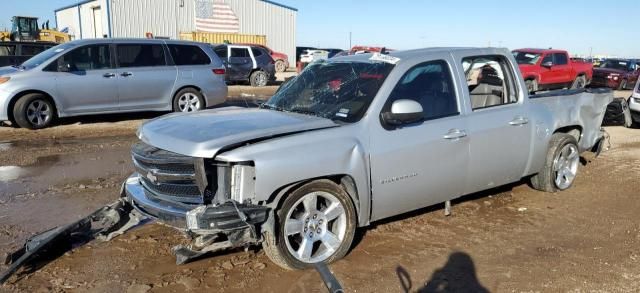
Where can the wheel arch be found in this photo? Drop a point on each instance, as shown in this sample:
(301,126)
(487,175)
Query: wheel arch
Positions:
(175,93)
(16,97)
(573,130)
(347,182)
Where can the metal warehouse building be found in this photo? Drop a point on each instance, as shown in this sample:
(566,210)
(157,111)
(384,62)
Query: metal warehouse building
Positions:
(169,18)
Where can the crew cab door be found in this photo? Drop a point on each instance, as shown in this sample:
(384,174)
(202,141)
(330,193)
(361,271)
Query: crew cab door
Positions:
(499,131)
(422,163)
(562,69)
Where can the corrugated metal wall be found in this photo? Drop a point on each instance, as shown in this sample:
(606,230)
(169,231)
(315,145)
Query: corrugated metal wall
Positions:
(80,19)
(168,18)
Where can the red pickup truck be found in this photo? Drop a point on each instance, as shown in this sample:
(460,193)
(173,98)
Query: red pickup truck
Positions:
(552,69)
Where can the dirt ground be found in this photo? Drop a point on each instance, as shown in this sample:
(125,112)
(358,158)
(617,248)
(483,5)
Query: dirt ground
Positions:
(510,239)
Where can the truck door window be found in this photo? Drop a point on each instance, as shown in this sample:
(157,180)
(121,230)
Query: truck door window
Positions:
(431,85)
(490,81)
(560,59)
(547,58)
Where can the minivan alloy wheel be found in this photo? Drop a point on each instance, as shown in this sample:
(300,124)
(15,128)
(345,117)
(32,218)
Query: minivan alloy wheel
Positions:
(38,112)
(188,102)
(315,227)
(565,166)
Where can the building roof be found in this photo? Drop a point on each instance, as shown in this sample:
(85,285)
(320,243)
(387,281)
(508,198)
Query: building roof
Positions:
(87,1)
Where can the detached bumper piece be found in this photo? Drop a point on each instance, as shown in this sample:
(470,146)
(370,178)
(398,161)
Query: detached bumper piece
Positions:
(104,224)
(216,228)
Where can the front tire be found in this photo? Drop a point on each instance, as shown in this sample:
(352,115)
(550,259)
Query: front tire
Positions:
(259,78)
(532,86)
(188,100)
(315,224)
(623,85)
(33,111)
(561,165)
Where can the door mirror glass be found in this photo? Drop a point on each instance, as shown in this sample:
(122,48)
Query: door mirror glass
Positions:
(547,64)
(403,111)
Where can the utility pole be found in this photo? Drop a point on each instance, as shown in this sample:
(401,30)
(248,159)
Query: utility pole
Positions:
(350,41)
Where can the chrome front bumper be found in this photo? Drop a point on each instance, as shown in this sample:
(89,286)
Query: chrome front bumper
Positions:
(201,219)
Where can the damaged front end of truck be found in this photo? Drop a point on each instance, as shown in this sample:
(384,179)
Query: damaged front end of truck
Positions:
(211,201)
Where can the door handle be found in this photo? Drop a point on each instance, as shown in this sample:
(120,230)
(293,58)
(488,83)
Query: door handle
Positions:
(109,75)
(455,134)
(125,74)
(519,121)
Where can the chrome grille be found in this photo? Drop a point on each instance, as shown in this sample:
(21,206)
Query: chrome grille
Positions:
(166,175)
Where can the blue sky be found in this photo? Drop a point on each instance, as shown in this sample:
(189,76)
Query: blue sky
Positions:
(576,25)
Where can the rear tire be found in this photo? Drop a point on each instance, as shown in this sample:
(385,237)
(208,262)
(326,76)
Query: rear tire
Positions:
(579,83)
(561,164)
(319,216)
(188,100)
(280,66)
(259,78)
(34,111)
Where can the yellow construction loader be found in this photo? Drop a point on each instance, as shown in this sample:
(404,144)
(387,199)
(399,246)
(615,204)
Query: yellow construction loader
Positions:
(25,28)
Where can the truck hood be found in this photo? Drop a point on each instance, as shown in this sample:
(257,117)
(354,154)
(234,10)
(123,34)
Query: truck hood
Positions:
(203,134)
(605,71)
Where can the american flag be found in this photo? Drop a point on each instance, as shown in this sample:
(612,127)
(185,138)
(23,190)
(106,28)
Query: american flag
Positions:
(216,16)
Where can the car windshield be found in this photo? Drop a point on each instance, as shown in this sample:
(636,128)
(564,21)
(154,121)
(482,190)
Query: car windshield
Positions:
(340,90)
(45,55)
(616,64)
(526,57)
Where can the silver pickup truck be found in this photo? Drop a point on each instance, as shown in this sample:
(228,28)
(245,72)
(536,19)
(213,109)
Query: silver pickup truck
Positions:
(353,140)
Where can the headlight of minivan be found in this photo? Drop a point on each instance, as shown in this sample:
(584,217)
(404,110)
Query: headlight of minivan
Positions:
(4,79)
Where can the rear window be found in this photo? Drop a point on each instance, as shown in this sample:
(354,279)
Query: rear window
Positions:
(7,50)
(30,50)
(188,55)
(256,52)
(135,55)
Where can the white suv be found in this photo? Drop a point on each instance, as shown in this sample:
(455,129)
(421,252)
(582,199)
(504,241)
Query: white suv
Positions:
(634,104)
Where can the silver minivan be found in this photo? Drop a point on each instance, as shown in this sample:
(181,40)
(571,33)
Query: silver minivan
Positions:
(102,76)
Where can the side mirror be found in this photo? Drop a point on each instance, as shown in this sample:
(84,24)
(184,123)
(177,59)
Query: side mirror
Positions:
(547,64)
(403,112)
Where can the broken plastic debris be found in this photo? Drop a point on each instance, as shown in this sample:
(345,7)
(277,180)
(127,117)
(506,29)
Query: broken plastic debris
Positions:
(522,209)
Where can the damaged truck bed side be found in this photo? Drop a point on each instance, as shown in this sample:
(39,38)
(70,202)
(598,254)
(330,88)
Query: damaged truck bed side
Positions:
(353,140)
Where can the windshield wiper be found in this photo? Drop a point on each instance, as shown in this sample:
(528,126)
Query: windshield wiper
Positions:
(18,66)
(303,110)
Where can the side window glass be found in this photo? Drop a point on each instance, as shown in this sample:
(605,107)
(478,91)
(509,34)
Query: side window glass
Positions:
(256,52)
(7,50)
(431,85)
(560,59)
(28,50)
(221,52)
(547,58)
(188,55)
(136,55)
(239,52)
(88,58)
(490,81)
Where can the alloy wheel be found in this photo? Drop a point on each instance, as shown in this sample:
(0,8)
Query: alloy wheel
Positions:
(565,166)
(188,103)
(38,113)
(315,227)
